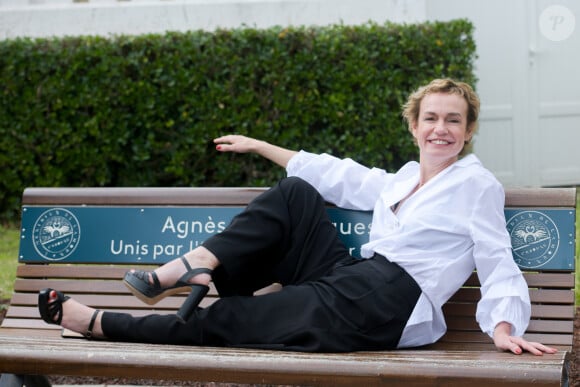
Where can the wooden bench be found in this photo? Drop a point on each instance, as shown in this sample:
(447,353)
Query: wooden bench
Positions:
(81,241)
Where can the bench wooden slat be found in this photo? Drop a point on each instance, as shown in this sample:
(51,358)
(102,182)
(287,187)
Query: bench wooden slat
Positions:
(272,367)
(540,197)
(515,197)
(488,347)
(558,296)
(72,286)
(113,301)
(538,311)
(551,280)
(548,339)
(219,196)
(21,313)
(31,312)
(455,324)
(479,337)
(552,326)
(545,296)
(535,280)
(25,323)
(71,271)
(29,318)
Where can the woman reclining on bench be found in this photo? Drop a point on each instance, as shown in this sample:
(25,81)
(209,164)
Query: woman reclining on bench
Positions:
(434,222)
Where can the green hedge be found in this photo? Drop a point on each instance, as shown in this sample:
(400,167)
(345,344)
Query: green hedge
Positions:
(142,110)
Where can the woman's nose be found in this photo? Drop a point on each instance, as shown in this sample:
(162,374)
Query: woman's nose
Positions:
(440,127)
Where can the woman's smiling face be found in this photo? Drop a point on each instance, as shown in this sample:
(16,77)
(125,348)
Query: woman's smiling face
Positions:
(441,127)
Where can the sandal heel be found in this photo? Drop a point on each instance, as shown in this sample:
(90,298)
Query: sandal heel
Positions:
(137,281)
(198,292)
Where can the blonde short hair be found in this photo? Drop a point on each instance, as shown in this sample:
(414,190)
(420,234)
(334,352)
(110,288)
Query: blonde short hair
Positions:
(448,86)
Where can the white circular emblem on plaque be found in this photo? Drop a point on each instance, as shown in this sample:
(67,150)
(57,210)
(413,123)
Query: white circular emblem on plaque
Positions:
(56,234)
(535,238)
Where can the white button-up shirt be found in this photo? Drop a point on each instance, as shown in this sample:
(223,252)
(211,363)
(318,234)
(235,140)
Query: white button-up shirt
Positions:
(450,226)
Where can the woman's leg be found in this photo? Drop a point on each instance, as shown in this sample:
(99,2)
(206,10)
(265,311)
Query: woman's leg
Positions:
(361,305)
(329,303)
(284,235)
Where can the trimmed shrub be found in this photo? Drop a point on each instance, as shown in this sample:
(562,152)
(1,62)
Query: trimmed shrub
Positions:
(143,110)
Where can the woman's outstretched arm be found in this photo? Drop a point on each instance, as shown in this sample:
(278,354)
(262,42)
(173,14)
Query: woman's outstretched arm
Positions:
(242,144)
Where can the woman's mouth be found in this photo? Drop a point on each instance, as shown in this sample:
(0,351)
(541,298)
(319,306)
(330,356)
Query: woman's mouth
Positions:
(439,142)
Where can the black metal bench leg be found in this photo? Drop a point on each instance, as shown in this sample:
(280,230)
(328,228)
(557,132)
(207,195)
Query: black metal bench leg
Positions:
(11,380)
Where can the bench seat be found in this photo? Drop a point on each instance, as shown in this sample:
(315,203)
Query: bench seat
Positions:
(43,352)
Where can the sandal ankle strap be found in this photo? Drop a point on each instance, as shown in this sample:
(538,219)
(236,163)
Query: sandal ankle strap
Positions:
(190,273)
(89,333)
(187,265)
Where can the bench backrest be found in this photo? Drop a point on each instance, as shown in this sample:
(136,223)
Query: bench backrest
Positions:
(82,240)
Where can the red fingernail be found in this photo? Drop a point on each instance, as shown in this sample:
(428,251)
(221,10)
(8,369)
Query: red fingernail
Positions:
(219,147)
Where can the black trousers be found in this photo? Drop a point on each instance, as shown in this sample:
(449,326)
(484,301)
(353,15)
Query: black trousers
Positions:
(330,302)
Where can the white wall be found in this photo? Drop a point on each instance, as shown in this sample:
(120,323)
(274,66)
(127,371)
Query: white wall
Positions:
(529,85)
(530,90)
(104,17)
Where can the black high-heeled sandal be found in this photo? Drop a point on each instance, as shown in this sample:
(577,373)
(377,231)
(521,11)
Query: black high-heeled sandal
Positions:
(138,283)
(51,312)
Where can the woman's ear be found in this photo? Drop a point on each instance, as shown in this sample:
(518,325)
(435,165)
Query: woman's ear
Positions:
(413,127)
(469,133)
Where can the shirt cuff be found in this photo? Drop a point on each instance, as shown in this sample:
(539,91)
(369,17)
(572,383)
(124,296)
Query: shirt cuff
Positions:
(510,309)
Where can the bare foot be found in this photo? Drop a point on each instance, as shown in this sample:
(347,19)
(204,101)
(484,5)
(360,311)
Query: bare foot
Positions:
(77,317)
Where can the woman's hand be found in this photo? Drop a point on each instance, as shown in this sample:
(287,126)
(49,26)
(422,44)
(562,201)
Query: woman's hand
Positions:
(504,341)
(242,144)
(238,144)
